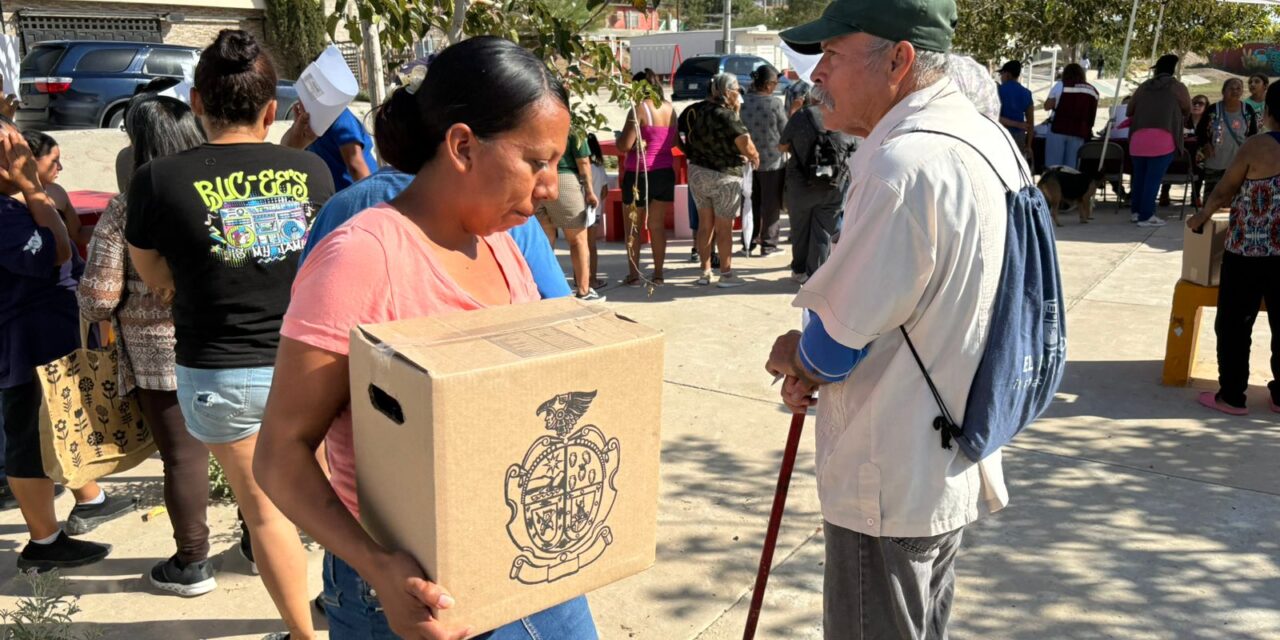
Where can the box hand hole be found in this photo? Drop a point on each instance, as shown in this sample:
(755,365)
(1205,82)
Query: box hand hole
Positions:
(384,403)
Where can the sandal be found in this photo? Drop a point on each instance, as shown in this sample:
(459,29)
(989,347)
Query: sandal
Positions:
(631,280)
(657,280)
(1211,400)
(705,280)
(600,283)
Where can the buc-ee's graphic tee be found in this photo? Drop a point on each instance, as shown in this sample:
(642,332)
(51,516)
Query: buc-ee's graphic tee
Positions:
(231,220)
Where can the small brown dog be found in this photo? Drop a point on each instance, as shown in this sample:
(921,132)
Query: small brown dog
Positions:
(1063,184)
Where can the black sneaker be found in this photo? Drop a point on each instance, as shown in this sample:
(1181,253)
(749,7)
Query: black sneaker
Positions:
(63,553)
(86,517)
(194,579)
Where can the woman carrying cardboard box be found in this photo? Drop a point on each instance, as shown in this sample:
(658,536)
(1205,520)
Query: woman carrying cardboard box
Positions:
(1250,264)
(482,134)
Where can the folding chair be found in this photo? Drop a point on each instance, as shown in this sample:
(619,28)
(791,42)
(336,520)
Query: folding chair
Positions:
(1113,166)
(1180,172)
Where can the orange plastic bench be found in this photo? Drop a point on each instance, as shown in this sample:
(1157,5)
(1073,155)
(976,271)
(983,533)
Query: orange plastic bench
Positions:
(1189,300)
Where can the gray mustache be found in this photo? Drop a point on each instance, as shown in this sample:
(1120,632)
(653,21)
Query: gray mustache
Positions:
(823,98)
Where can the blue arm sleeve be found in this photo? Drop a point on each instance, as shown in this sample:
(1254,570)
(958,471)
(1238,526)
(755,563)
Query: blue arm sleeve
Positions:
(823,357)
(542,262)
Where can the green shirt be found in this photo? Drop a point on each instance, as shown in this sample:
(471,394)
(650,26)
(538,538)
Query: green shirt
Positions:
(1256,104)
(574,150)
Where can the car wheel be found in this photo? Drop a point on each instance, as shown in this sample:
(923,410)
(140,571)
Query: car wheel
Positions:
(115,119)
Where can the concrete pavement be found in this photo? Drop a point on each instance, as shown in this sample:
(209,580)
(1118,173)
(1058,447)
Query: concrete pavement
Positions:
(1135,513)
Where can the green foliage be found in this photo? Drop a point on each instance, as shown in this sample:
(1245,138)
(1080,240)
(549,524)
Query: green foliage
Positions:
(588,68)
(994,30)
(797,12)
(219,486)
(296,31)
(706,14)
(46,614)
(581,12)
(1200,27)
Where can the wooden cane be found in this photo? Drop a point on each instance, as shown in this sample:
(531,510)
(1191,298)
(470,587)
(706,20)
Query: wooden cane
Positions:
(775,522)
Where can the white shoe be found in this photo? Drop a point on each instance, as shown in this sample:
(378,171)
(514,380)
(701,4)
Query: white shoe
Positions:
(1133,217)
(1153,221)
(799,278)
(730,280)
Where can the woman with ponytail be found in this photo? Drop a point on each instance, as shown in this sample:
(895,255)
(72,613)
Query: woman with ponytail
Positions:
(220,227)
(481,135)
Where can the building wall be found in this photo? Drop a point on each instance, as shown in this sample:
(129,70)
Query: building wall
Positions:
(200,27)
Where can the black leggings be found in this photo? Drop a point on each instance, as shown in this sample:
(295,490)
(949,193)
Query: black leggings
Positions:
(1246,282)
(21,406)
(766,206)
(186,473)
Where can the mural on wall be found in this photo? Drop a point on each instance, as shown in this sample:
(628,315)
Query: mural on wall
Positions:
(1258,57)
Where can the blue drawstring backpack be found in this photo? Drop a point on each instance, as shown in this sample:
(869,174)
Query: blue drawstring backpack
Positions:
(1025,354)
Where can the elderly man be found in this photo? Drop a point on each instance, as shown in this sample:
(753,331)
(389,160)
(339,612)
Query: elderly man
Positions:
(922,249)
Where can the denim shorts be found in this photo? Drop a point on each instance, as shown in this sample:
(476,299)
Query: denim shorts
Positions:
(354,613)
(222,406)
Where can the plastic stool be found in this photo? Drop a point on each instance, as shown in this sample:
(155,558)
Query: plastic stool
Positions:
(1189,301)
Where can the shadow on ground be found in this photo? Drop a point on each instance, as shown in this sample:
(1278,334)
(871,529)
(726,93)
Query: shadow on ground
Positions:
(695,467)
(1089,552)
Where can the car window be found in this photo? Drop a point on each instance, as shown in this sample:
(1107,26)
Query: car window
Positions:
(700,66)
(106,61)
(739,66)
(41,61)
(167,62)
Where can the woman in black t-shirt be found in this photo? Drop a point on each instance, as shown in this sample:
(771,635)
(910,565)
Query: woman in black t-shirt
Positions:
(221,227)
(718,146)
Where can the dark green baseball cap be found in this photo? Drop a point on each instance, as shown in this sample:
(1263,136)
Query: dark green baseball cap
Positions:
(926,24)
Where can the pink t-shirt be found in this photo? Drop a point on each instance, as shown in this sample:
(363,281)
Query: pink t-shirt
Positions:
(1150,143)
(377,268)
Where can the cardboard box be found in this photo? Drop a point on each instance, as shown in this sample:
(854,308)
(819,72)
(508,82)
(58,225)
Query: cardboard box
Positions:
(513,451)
(1202,252)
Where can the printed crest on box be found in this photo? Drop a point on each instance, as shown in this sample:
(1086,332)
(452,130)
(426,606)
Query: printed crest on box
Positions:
(560,496)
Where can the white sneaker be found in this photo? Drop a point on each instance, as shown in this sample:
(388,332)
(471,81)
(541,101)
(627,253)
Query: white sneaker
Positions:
(730,280)
(1153,221)
(799,278)
(1133,217)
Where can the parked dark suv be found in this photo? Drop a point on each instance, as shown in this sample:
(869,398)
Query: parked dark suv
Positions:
(693,77)
(86,84)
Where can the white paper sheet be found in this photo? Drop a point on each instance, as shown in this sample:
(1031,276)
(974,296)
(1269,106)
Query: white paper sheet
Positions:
(325,88)
(802,64)
(10,61)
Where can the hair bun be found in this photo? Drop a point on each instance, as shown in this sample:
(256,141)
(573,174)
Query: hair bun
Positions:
(236,51)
